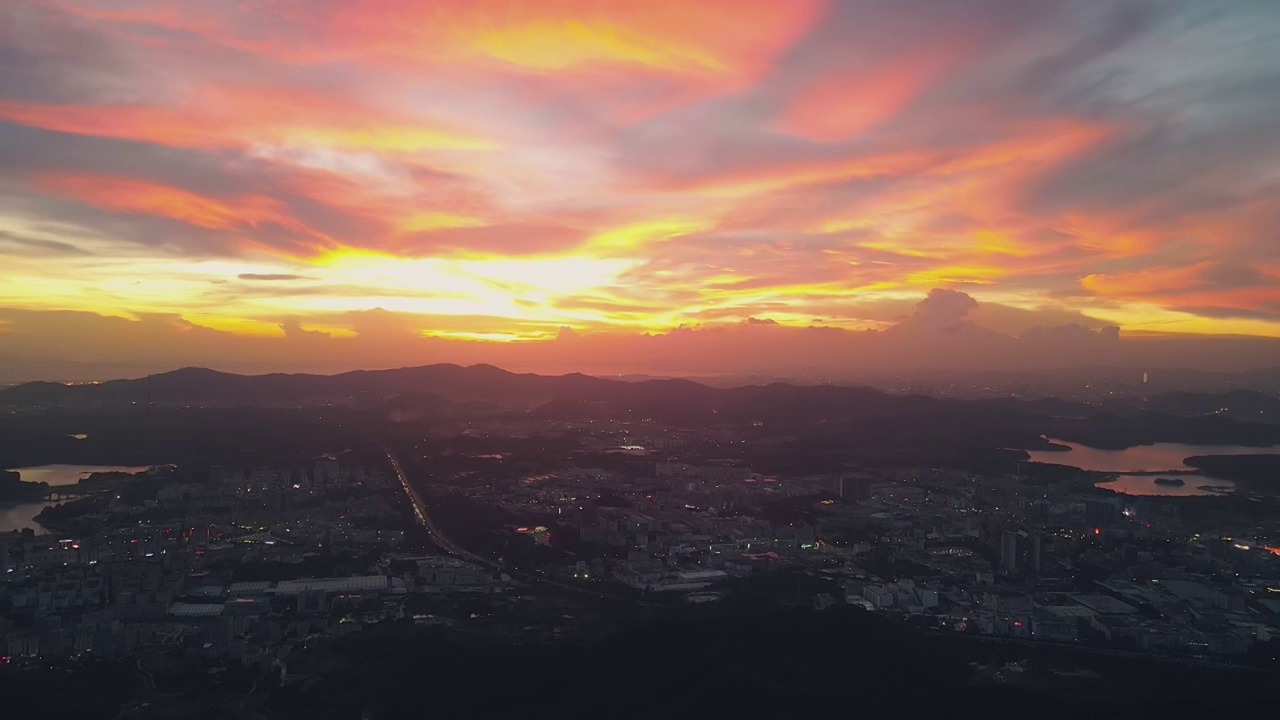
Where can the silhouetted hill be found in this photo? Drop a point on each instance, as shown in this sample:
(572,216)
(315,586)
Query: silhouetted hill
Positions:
(434,391)
(203,386)
(751,662)
(33,393)
(1244,468)
(12,488)
(1242,404)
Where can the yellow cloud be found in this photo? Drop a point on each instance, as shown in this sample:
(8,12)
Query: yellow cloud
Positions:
(956,274)
(237,325)
(548,44)
(633,237)
(431,220)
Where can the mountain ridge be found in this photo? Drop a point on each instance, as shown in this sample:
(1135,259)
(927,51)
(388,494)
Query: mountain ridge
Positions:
(673,399)
(833,412)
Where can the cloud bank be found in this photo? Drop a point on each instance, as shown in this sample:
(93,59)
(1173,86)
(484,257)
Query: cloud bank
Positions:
(494,171)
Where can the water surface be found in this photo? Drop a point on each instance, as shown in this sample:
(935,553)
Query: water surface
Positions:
(16,516)
(1160,457)
(1194,485)
(71,474)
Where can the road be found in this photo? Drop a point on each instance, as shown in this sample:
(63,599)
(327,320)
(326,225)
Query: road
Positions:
(438,538)
(148,678)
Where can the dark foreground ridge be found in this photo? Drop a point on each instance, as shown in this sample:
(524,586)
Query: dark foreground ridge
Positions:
(747,662)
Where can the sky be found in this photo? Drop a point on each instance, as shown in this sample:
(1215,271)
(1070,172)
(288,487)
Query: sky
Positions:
(669,186)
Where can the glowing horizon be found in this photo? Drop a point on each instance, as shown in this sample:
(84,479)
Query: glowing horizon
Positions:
(493,171)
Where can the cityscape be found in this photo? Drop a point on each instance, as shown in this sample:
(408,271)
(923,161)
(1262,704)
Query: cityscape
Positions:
(639,359)
(247,573)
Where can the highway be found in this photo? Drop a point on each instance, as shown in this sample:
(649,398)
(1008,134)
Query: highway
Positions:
(442,541)
(438,538)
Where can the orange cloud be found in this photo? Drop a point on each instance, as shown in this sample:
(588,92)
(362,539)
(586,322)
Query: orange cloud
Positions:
(1027,144)
(142,196)
(1145,282)
(1206,288)
(560,35)
(846,103)
(216,117)
(549,36)
(1040,142)
(776,176)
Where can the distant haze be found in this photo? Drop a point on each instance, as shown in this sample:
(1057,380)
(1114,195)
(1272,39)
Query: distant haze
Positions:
(939,336)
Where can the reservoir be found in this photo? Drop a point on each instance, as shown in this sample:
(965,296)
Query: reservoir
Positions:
(1146,485)
(70,474)
(1160,457)
(1157,458)
(15,516)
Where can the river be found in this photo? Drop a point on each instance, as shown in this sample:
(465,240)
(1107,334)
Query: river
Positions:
(15,516)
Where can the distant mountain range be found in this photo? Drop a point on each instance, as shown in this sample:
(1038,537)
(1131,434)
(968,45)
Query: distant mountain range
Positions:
(416,393)
(565,395)
(198,386)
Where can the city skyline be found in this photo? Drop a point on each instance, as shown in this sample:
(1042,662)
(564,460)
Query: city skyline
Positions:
(671,187)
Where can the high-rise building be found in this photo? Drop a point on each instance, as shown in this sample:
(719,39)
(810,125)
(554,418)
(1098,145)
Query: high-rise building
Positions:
(1009,551)
(1033,551)
(856,488)
(1099,514)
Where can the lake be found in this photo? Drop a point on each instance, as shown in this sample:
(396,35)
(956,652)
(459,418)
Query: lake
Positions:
(16,516)
(70,474)
(1192,486)
(1160,457)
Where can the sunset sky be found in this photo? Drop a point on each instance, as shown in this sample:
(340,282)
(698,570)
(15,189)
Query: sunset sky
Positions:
(343,183)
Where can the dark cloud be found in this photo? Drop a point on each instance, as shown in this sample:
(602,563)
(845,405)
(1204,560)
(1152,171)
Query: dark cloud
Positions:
(1016,321)
(1232,274)
(270,277)
(40,245)
(1071,333)
(944,309)
(293,330)
(50,56)
(1123,23)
